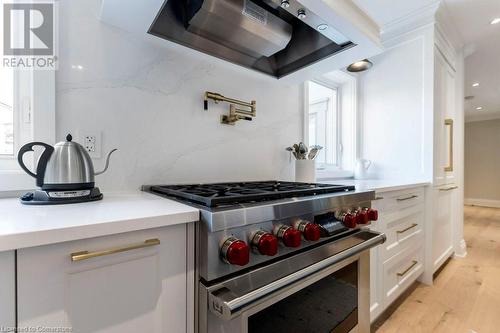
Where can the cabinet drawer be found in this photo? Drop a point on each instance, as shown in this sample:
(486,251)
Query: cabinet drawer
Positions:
(403,229)
(401,271)
(130,282)
(391,201)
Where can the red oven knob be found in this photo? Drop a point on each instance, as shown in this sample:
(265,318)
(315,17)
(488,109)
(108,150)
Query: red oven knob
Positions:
(235,252)
(372,214)
(265,243)
(363,217)
(348,219)
(289,236)
(310,231)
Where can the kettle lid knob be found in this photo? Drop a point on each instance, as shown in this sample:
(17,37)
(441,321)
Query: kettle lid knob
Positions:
(69,137)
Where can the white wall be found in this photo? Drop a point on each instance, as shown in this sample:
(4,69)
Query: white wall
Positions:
(146,99)
(396,108)
(482,162)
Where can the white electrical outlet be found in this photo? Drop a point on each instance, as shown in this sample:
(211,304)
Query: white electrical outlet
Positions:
(91,141)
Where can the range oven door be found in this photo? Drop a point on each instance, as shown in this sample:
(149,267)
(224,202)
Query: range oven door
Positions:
(328,305)
(325,289)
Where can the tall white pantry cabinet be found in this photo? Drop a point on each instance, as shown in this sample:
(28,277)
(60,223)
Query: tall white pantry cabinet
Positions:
(446,196)
(446,208)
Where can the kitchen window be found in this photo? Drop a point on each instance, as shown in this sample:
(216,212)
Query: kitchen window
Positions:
(323,123)
(6,112)
(330,121)
(27,113)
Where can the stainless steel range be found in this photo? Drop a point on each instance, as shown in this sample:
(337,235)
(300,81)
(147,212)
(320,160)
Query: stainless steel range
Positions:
(281,256)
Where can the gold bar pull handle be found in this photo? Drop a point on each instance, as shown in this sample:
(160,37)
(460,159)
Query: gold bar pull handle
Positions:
(403,273)
(413,225)
(449,168)
(84,255)
(448,188)
(407,198)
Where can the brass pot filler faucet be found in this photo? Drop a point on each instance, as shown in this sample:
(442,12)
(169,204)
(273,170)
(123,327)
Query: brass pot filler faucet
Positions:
(235,113)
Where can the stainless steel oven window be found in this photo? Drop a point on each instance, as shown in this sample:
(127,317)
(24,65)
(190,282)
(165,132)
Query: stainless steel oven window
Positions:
(328,305)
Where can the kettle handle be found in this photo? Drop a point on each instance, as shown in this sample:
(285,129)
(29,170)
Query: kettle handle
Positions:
(42,162)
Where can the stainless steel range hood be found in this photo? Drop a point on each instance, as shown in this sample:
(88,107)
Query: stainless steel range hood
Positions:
(276,37)
(242,26)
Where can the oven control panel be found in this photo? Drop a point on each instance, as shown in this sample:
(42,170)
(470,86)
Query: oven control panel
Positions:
(281,237)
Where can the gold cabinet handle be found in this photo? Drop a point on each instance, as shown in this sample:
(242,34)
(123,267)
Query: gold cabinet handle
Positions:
(378,198)
(403,273)
(83,255)
(407,198)
(448,188)
(406,229)
(449,168)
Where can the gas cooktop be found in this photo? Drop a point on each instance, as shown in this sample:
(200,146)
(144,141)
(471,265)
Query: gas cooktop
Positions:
(220,194)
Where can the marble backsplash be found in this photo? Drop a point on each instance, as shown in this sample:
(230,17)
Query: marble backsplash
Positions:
(147,100)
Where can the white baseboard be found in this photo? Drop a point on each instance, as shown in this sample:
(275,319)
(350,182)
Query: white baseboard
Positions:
(442,258)
(482,202)
(461,252)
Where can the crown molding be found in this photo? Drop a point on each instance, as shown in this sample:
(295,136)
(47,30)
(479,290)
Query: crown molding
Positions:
(412,21)
(446,25)
(445,47)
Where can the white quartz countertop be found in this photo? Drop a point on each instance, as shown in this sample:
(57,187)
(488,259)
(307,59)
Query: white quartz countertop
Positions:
(26,226)
(379,185)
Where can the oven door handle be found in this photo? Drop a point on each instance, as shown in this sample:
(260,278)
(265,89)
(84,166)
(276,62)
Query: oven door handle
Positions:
(229,307)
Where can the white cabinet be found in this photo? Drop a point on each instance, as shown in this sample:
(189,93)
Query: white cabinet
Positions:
(403,229)
(401,271)
(442,227)
(139,288)
(446,141)
(7,290)
(397,263)
(444,120)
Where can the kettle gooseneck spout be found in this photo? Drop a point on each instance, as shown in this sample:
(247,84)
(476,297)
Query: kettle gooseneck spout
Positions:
(107,163)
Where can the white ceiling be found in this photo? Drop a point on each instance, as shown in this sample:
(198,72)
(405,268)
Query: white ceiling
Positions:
(386,11)
(472,18)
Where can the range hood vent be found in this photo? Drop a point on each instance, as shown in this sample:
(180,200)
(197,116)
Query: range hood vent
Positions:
(259,34)
(242,26)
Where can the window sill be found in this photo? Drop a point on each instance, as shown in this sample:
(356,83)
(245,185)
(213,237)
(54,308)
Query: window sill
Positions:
(333,174)
(15,180)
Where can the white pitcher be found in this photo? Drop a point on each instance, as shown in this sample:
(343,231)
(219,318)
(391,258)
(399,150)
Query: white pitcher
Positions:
(361,168)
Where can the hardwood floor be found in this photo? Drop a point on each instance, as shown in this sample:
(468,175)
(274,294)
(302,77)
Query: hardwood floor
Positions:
(466,293)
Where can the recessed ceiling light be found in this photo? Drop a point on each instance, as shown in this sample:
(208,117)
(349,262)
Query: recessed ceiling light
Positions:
(495,20)
(479,108)
(475,84)
(360,66)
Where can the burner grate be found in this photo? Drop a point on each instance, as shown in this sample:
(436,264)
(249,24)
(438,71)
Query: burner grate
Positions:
(212,195)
